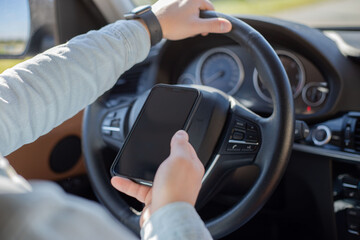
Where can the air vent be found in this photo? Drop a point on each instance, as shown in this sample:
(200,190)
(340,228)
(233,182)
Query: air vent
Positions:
(357,136)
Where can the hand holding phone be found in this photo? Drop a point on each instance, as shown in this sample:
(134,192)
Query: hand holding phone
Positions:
(166,110)
(177,179)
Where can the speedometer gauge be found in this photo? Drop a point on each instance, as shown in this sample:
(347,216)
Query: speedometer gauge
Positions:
(222,69)
(294,70)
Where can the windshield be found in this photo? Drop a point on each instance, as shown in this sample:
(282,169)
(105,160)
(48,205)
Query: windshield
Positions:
(315,13)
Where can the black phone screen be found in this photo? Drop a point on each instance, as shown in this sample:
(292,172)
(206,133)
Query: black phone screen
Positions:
(166,110)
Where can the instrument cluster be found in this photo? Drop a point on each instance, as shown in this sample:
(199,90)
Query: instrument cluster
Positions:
(231,70)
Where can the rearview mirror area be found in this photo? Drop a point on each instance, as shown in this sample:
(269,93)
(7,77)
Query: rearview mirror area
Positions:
(15,27)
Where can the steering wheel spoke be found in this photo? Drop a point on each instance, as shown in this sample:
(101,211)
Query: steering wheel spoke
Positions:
(242,141)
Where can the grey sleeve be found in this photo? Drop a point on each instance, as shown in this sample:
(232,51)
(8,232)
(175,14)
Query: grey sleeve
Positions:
(175,221)
(49,213)
(42,92)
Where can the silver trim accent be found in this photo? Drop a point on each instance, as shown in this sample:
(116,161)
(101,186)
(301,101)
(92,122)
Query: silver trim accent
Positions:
(243,142)
(321,85)
(210,168)
(353,232)
(349,185)
(235,57)
(326,140)
(114,129)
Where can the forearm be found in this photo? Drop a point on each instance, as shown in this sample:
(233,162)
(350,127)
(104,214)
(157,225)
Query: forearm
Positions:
(41,93)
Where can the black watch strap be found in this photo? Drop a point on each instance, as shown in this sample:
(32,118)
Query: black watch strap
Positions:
(151,21)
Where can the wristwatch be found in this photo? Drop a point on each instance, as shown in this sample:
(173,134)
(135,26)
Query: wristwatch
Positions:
(151,21)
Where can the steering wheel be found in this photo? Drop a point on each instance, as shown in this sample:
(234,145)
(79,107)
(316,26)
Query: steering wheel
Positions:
(269,152)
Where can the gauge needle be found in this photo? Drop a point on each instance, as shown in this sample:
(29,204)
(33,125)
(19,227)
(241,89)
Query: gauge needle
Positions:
(215,76)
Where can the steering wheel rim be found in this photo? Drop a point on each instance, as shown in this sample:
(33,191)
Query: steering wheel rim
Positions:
(272,157)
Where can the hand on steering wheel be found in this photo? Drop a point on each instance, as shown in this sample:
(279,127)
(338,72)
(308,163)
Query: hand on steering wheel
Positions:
(180,19)
(178,179)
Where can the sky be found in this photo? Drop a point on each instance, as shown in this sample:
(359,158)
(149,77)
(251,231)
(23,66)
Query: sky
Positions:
(14,19)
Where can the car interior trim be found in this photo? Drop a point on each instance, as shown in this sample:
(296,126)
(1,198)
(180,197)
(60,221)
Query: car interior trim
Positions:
(243,142)
(327,152)
(212,165)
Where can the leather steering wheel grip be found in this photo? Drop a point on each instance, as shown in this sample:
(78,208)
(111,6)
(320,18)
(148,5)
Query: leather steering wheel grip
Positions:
(275,152)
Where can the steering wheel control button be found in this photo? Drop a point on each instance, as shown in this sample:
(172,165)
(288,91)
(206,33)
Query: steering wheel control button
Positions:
(238,135)
(115,123)
(248,148)
(251,127)
(234,147)
(240,124)
(251,137)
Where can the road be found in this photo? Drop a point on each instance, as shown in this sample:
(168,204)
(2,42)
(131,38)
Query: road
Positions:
(327,13)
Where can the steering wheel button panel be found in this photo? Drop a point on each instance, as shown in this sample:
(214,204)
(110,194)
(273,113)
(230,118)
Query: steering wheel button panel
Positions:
(112,125)
(243,137)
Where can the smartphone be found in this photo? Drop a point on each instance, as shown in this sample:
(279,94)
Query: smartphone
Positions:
(166,110)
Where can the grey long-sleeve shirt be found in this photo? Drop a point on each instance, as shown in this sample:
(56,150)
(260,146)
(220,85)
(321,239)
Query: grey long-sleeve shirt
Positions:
(41,93)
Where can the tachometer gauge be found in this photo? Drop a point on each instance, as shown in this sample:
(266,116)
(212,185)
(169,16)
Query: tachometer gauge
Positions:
(222,69)
(314,93)
(294,70)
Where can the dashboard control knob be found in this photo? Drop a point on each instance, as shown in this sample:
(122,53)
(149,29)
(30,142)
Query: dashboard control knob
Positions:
(321,135)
